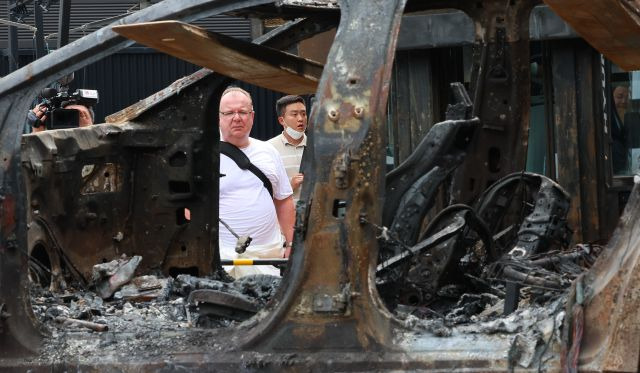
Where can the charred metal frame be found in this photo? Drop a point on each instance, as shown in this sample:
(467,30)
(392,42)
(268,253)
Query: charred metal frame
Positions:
(328,315)
(501,66)
(106,169)
(455,28)
(20,333)
(438,154)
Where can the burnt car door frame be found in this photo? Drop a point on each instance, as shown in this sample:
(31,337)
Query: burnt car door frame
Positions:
(359,115)
(21,334)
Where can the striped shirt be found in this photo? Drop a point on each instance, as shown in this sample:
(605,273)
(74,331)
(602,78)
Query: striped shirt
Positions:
(291,157)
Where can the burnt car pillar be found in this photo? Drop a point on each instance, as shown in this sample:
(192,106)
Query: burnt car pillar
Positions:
(19,334)
(500,93)
(19,331)
(328,300)
(604,322)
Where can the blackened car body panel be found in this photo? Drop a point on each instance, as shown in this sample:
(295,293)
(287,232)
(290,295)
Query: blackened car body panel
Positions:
(122,188)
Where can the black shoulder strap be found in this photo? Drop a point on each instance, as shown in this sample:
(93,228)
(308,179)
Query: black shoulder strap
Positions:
(244,163)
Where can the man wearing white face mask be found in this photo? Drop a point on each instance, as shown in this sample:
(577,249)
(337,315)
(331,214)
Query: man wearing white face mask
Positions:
(292,115)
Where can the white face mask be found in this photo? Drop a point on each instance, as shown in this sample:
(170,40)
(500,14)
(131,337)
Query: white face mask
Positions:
(296,135)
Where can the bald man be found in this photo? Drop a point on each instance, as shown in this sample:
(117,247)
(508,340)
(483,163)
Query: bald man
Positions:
(245,203)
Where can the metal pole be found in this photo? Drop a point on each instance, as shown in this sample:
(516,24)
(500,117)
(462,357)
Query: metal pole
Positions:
(64,19)
(13,40)
(37,14)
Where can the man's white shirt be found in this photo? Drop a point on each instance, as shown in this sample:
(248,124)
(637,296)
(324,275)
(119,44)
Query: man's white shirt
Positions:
(247,207)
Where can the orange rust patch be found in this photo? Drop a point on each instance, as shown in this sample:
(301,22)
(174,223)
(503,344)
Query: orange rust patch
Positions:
(7,214)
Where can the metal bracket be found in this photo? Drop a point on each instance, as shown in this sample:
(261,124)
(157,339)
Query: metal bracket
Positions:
(3,316)
(340,170)
(498,71)
(327,303)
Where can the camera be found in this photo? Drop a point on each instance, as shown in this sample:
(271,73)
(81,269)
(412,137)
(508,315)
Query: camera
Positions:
(54,102)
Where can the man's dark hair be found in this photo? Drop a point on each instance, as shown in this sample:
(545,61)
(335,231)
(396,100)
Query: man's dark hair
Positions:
(282,103)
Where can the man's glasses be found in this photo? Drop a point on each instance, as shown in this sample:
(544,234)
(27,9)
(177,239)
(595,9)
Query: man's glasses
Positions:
(243,114)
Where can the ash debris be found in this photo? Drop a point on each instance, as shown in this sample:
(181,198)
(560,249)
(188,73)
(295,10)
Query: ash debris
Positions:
(480,268)
(478,305)
(146,316)
(120,303)
(528,332)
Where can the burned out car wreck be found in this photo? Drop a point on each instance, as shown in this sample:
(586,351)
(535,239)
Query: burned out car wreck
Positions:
(455,258)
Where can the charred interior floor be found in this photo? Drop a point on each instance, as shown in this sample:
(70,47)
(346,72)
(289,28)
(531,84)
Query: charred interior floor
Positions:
(499,267)
(148,315)
(158,316)
(151,303)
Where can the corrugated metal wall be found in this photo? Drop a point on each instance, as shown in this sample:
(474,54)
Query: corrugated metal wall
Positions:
(135,73)
(266,123)
(85,11)
(129,76)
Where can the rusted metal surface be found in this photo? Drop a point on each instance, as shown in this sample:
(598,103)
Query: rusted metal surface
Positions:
(333,287)
(20,332)
(107,172)
(297,30)
(610,26)
(245,61)
(132,112)
(612,322)
(213,302)
(327,316)
(500,79)
(105,179)
(566,123)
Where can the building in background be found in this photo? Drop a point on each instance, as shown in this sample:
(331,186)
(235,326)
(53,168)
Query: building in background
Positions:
(134,73)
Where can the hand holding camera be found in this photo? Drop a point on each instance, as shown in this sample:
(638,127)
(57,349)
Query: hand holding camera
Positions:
(59,109)
(37,116)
